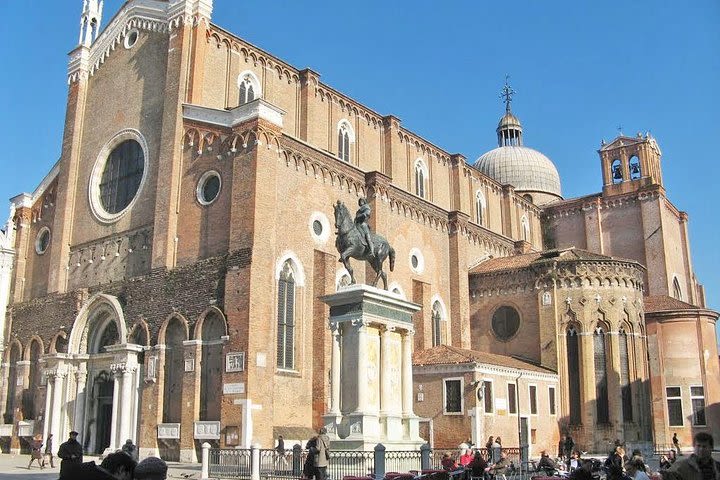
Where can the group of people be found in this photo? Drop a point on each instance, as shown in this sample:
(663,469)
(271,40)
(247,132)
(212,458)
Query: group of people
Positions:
(473,465)
(318,456)
(121,465)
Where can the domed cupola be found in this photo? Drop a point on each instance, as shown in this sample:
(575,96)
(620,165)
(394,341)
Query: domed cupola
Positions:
(531,173)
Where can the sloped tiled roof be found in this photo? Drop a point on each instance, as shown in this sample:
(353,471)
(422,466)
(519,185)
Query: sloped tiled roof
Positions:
(525,260)
(663,303)
(449,355)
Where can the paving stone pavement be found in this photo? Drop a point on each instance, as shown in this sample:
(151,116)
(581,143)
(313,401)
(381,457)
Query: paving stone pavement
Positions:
(14,467)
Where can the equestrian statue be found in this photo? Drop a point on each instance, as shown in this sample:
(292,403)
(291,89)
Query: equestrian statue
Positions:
(355,240)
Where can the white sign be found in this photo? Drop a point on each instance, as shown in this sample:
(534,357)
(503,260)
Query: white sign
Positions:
(189,364)
(207,431)
(168,430)
(500,403)
(235,362)
(233,388)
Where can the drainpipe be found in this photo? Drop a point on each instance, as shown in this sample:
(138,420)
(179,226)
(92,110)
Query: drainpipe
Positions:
(519,426)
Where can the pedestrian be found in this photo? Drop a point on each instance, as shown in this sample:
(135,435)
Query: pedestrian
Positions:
(699,465)
(48,451)
(323,455)
(36,452)
(583,472)
(309,465)
(478,466)
(500,468)
(489,445)
(568,447)
(280,453)
(546,464)
(71,454)
(152,468)
(130,448)
(466,457)
(676,443)
(496,450)
(635,469)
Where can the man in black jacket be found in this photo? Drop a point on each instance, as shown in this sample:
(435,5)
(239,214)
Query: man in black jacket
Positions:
(71,453)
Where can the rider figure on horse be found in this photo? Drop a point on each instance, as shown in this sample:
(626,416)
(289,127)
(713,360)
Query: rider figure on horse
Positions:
(361,218)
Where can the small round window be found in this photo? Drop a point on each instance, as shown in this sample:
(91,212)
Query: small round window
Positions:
(208,187)
(317,227)
(131,38)
(505,322)
(42,242)
(417,262)
(414,261)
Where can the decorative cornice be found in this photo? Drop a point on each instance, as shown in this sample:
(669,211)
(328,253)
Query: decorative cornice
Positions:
(258,109)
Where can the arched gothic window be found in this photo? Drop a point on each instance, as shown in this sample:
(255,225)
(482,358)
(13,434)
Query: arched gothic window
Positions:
(573,365)
(175,335)
(634,166)
(479,207)
(616,171)
(625,389)
(248,87)
(525,225)
(211,366)
(601,384)
(345,138)
(677,291)
(421,175)
(438,324)
(286,317)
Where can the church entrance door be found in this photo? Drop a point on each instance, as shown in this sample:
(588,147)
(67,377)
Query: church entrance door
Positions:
(103,398)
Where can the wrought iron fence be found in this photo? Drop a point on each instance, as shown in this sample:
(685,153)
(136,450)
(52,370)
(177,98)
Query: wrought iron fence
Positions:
(271,465)
(230,463)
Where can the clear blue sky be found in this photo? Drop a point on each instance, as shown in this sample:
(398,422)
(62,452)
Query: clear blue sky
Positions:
(580,70)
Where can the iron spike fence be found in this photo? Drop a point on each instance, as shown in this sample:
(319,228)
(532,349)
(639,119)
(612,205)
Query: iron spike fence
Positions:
(272,465)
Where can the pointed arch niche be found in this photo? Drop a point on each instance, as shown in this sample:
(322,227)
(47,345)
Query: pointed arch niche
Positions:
(574,367)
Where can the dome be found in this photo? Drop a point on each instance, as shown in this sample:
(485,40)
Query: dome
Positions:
(509,121)
(522,167)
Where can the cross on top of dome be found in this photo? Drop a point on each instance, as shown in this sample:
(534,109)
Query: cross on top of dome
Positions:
(507,93)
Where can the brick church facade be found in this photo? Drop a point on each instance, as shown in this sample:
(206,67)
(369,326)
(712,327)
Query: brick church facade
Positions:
(162,282)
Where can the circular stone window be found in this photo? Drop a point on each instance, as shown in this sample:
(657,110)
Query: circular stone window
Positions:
(505,323)
(131,38)
(42,242)
(319,227)
(208,187)
(417,261)
(118,175)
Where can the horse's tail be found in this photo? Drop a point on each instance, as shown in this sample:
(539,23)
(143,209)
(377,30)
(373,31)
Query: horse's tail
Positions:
(391,254)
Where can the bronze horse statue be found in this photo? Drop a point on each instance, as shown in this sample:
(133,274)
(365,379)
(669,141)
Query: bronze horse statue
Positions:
(350,243)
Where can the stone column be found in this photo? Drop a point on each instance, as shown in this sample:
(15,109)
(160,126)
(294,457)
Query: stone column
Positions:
(127,405)
(385,391)
(361,332)
(116,401)
(57,406)
(81,378)
(335,370)
(47,414)
(407,382)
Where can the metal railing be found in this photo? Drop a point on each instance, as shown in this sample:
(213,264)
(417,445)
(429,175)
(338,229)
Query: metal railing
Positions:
(268,464)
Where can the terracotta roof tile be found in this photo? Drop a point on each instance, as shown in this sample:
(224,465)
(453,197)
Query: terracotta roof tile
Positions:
(449,355)
(526,260)
(662,303)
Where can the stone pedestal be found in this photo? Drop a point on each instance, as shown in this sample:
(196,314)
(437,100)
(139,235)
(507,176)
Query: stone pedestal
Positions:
(371,371)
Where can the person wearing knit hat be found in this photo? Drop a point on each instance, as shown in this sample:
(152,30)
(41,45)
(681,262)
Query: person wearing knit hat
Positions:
(152,468)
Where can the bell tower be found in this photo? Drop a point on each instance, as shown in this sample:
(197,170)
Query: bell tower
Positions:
(630,163)
(90,21)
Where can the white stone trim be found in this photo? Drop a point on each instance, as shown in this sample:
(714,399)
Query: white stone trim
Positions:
(297,264)
(346,125)
(421,261)
(485,369)
(254,80)
(96,176)
(129,43)
(258,108)
(325,222)
(27,199)
(201,184)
